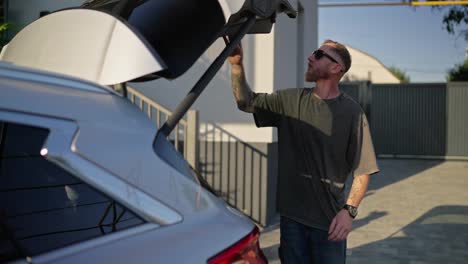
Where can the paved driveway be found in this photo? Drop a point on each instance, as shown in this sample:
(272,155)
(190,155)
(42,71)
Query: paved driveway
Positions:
(415,211)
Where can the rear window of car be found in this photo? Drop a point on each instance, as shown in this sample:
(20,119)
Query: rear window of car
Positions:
(42,206)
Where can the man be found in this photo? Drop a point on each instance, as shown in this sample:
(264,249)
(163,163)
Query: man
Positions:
(323,136)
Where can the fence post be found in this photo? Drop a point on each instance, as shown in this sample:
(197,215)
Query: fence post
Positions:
(367,98)
(191,138)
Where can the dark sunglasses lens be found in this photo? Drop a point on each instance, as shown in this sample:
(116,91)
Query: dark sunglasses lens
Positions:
(318,54)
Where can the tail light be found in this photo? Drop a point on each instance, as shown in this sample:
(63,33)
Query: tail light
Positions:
(246,251)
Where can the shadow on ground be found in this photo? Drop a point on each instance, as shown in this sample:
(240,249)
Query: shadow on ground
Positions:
(391,172)
(395,170)
(439,234)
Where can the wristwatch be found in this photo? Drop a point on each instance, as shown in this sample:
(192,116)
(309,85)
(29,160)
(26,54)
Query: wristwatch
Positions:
(352,210)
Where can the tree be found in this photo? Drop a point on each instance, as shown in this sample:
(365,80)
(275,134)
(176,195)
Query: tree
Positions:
(458,73)
(401,75)
(3,28)
(457,16)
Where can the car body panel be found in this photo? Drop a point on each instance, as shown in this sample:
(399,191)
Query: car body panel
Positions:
(106,141)
(190,242)
(111,121)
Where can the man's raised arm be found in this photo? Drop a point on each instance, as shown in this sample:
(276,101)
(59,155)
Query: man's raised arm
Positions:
(240,87)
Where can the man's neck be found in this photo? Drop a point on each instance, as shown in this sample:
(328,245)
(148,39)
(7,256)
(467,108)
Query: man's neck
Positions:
(327,89)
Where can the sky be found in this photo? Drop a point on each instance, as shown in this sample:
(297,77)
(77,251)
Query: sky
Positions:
(412,39)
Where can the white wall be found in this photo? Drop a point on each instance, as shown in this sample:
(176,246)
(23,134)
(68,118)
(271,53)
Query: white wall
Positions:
(216,104)
(272,61)
(295,39)
(367,68)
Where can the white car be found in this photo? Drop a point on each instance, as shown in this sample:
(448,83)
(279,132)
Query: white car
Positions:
(85,176)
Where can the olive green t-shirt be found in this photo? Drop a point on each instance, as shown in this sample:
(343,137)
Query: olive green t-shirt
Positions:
(320,143)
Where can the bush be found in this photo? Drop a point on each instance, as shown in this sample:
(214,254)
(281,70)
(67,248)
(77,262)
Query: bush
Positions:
(459,73)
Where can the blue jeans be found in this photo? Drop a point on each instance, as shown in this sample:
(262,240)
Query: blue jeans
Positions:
(304,244)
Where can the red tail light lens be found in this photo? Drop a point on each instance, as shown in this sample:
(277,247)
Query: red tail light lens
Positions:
(247,251)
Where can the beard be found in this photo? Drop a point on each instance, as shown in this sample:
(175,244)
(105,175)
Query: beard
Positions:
(309,76)
(312,75)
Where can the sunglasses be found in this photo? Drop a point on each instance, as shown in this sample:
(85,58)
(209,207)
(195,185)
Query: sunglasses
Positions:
(320,54)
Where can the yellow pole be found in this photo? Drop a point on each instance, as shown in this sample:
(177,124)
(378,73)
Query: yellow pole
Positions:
(433,3)
(411,3)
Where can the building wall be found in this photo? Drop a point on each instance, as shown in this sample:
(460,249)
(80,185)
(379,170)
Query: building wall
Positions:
(272,61)
(294,40)
(365,67)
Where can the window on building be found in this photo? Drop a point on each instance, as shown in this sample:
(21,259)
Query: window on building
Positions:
(42,206)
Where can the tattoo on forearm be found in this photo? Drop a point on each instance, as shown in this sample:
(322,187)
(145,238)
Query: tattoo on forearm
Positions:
(236,86)
(242,92)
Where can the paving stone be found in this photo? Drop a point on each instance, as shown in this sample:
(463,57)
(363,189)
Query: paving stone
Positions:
(415,211)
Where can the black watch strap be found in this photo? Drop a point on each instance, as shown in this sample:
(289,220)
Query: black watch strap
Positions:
(352,210)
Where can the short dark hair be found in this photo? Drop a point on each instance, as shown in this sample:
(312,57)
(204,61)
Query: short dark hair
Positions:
(342,51)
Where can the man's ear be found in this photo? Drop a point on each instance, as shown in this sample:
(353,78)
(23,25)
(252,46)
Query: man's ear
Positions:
(337,68)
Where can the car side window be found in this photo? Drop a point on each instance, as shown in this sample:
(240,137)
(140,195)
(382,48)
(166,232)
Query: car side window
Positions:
(42,206)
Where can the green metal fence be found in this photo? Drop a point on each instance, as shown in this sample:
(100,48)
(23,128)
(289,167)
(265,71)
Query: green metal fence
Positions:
(416,120)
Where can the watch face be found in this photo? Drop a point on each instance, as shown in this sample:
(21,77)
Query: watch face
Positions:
(352,210)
